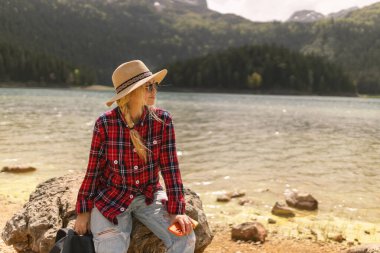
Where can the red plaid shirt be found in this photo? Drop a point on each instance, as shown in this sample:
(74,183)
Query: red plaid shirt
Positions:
(115,173)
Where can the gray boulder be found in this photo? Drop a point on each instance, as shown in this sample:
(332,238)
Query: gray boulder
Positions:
(303,201)
(367,248)
(52,206)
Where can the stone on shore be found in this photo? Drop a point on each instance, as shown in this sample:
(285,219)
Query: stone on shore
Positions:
(303,201)
(18,169)
(249,231)
(367,248)
(223,198)
(282,210)
(52,206)
(245,202)
(227,196)
(236,194)
(337,237)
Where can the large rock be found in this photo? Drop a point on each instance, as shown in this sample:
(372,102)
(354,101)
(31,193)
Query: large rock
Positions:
(52,206)
(303,201)
(249,231)
(367,248)
(280,209)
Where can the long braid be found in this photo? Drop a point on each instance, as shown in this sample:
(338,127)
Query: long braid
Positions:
(136,139)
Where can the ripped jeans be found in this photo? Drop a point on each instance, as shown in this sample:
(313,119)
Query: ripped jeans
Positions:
(111,238)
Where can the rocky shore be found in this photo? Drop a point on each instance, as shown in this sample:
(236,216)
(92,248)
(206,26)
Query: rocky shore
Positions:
(221,243)
(274,232)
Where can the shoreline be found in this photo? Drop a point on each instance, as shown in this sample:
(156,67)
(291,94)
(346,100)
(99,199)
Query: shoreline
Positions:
(169,88)
(302,233)
(222,241)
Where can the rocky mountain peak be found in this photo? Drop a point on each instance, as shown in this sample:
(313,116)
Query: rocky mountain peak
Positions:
(201,4)
(305,16)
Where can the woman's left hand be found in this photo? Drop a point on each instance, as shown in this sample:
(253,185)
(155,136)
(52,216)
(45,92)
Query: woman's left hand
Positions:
(183,220)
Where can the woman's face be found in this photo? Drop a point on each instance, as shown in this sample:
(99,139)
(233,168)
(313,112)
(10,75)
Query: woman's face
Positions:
(150,92)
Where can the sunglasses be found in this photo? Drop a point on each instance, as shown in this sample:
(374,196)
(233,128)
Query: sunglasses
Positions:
(152,86)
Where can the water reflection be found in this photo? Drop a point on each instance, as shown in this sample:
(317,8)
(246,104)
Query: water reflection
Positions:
(324,145)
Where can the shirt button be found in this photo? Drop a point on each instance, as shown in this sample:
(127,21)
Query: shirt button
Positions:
(115,162)
(134,150)
(122,209)
(137,181)
(154,142)
(136,167)
(131,196)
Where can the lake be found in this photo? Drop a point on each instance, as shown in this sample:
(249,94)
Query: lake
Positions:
(326,146)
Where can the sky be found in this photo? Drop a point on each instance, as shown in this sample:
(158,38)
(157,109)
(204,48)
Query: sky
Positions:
(281,10)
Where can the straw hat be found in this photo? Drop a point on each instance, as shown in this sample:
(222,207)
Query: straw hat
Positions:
(131,75)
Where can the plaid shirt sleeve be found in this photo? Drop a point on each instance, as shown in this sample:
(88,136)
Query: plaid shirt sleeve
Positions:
(96,163)
(170,170)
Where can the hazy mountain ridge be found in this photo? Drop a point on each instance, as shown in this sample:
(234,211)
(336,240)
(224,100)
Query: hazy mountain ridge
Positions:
(101,34)
(305,16)
(313,16)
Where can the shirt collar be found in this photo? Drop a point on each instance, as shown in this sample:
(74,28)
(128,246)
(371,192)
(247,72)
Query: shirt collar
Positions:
(142,118)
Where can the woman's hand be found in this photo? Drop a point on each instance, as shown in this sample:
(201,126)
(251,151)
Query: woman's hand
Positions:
(82,223)
(183,220)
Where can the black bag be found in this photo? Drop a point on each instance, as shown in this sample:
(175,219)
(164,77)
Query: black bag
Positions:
(67,241)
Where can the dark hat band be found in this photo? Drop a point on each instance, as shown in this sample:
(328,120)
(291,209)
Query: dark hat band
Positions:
(133,80)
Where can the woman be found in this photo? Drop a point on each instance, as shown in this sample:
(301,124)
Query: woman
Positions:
(130,144)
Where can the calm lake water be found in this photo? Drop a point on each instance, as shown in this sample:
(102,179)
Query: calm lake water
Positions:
(326,146)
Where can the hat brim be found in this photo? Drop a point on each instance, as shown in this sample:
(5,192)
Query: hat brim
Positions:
(158,77)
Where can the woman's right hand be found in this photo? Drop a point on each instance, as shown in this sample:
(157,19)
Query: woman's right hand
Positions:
(82,223)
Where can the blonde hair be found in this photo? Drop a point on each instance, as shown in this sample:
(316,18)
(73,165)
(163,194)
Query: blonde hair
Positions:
(132,101)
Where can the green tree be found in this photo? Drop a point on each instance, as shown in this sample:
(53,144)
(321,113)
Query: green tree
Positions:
(254,80)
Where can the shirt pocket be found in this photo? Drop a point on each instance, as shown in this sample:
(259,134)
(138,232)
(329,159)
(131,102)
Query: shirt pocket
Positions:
(155,148)
(119,173)
(114,148)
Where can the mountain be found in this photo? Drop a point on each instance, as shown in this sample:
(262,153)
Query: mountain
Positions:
(29,68)
(305,16)
(369,15)
(342,13)
(197,4)
(100,34)
(267,69)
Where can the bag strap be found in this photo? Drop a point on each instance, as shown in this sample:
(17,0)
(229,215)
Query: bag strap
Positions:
(61,233)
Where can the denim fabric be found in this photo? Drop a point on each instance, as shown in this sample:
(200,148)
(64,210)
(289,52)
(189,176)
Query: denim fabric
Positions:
(111,238)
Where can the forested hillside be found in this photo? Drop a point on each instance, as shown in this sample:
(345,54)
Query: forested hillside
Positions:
(101,34)
(23,66)
(262,69)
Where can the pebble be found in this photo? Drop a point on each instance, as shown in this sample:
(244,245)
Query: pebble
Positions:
(282,210)
(337,238)
(237,194)
(223,198)
(244,202)
(18,169)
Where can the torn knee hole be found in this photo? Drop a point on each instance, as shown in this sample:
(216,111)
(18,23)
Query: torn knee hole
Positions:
(108,233)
